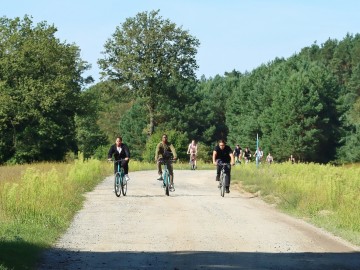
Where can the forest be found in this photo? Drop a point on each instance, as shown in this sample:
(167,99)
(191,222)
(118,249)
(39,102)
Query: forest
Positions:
(307,105)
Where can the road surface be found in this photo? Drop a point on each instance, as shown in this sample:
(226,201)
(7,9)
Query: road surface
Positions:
(193,228)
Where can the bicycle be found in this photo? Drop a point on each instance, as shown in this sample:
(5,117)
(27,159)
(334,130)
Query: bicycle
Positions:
(224,177)
(166,176)
(120,184)
(192,161)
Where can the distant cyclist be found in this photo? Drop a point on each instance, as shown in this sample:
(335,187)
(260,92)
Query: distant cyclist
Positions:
(247,155)
(237,154)
(223,153)
(166,151)
(192,151)
(120,151)
(269,158)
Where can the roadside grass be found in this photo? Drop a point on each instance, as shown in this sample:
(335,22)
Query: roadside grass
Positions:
(39,201)
(37,204)
(325,195)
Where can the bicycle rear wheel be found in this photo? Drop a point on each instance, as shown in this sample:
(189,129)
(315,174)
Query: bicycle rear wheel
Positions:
(222,184)
(117,184)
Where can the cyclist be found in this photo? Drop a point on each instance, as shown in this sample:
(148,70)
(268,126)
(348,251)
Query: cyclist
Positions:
(165,150)
(120,151)
(247,155)
(223,153)
(269,158)
(237,154)
(192,151)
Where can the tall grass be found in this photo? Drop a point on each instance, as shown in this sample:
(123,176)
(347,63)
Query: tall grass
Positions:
(38,206)
(325,195)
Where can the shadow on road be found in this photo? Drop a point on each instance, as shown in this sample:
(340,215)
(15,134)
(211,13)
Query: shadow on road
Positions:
(61,259)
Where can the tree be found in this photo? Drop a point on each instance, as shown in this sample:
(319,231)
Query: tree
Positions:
(89,136)
(145,54)
(40,84)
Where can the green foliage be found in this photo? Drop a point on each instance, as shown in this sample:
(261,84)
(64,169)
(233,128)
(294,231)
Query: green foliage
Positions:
(40,83)
(89,136)
(133,129)
(101,152)
(146,53)
(204,152)
(178,139)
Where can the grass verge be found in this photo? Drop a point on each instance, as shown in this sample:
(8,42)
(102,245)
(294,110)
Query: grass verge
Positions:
(325,195)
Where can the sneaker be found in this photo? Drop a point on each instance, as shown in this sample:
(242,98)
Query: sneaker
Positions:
(218,178)
(227,190)
(172,188)
(160,178)
(127,178)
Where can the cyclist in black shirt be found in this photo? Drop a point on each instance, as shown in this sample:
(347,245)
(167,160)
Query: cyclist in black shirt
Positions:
(223,153)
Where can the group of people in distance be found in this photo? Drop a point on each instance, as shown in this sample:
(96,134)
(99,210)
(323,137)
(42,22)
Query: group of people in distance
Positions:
(239,154)
(166,152)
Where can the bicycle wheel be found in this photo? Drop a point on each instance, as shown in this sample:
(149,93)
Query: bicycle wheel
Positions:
(167,183)
(117,184)
(123,183)
(222,184)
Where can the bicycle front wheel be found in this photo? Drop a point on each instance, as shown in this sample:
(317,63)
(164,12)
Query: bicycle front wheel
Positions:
(117,184)
(123,184)
(222,184)
(167,183)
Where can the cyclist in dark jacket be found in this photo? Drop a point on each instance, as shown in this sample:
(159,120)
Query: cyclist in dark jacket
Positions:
(120,151)
(223,153)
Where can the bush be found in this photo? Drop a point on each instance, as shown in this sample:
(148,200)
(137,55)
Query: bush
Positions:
(101,152)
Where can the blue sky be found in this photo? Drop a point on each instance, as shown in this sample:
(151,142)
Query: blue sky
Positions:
(234,34)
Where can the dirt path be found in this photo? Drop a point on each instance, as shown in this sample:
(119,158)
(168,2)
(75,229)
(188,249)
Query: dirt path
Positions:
(194,228)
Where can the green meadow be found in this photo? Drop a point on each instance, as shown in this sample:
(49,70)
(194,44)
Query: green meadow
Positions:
(38,201)
(325,195)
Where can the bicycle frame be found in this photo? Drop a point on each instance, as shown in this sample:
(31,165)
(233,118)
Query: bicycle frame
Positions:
(119,184)
(166,175)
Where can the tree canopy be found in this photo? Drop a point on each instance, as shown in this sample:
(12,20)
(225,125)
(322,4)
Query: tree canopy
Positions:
(147,54)
(40,83)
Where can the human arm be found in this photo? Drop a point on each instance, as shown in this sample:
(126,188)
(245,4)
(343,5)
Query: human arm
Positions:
(214,157)
(111,152)
(173,151)
(127,152)
(157,152)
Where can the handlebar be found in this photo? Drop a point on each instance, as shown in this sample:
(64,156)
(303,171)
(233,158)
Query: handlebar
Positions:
(163,160)
(116,161)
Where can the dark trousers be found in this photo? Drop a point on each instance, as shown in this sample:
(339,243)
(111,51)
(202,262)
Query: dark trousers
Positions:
(227,171)
(124,164)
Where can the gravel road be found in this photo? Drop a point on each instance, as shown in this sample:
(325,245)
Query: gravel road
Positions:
(193,228)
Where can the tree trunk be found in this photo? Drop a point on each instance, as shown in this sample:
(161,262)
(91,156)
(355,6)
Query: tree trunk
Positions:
(151,109)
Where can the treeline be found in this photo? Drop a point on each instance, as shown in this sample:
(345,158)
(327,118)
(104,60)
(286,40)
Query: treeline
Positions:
(307,105)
